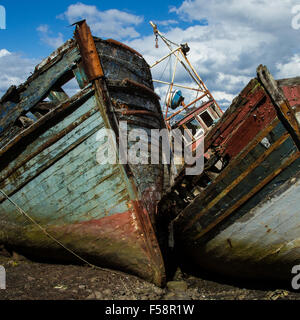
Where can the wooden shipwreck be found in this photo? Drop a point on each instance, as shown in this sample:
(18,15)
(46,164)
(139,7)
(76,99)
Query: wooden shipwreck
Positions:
(104,214)
(241,216)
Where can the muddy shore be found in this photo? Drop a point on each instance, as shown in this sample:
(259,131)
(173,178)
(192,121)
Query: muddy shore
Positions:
(27,280)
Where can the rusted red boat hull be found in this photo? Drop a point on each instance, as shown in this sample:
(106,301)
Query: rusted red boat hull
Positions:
(116,242)
(240,218)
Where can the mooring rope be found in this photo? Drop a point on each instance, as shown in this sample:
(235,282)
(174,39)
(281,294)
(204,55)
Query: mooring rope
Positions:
(62,245)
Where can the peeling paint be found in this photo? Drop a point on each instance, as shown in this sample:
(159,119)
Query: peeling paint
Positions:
(49,168)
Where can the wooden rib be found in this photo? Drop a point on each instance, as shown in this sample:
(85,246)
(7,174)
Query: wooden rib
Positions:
(277,96)
(52,113)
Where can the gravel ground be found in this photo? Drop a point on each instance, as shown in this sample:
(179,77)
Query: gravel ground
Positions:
(28,280)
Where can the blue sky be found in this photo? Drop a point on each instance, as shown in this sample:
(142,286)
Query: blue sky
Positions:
(228,38)
(25,16)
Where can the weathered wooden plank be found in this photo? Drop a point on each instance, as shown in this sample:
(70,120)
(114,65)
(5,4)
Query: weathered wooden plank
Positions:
(44,159)
(264,241)
(54,181)
(79,155)
(74,101)
(243,191)
(94,202)
(120,202)
(84,204)
(228,180)
(98,196)
(230,117)
(86,180)
(274,187)
(121,64)
(279,101)
(291,90)
(80,76)
(90,58)
(38,89)
(58,95)
(48,138)
(52,145)
(98,179)
(93,209)
(79,202)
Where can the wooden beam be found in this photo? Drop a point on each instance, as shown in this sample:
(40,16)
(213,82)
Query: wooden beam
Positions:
(280,102)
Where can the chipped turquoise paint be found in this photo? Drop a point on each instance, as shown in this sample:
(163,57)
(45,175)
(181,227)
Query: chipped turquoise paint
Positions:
(37,89)
(80,77)
(75,188)
(50,133)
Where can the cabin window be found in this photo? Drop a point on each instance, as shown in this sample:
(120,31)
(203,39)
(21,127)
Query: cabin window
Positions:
(194,130)
(193,126)
(207,118)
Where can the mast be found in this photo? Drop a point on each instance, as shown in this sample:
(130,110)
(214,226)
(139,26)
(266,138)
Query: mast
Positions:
(175,103)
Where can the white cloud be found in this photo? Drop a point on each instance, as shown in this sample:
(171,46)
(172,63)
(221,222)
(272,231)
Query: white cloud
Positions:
(258,14)
(231,82)
(46,37)
(110,23)
(4,52)
(236,38)
(223,98)
(217,62)
(15,69)
(290,68)
(44,28)
(166,22)
(242,34)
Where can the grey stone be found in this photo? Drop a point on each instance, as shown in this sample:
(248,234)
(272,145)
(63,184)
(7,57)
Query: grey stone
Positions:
(91,297)
(177,286)
(98,295)
(107,292)
(169,296)
(178,275)
(18,257)
(158,290)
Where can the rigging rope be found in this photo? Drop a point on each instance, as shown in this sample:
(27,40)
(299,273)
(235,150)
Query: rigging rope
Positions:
(164,38)
(62,245)
(167,64)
